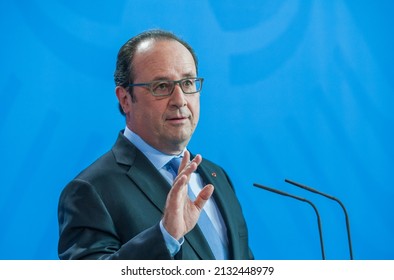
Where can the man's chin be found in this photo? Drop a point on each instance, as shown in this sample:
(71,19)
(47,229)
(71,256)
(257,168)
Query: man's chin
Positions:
(180,139)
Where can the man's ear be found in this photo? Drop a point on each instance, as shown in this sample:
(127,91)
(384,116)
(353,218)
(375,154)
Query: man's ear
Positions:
(124,98)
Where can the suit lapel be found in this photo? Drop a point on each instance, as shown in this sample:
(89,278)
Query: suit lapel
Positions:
(197,241)
(224,199)
(154,186)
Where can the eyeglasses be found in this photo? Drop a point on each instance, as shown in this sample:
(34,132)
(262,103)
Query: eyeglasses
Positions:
(165,88)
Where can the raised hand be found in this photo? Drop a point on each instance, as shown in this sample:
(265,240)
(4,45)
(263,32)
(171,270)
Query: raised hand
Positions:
(181,214)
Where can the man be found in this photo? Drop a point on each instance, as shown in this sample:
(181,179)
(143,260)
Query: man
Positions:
(131,203)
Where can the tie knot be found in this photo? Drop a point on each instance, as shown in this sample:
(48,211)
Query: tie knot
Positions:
(174,164)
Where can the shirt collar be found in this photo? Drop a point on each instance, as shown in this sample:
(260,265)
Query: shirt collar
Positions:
(158,159)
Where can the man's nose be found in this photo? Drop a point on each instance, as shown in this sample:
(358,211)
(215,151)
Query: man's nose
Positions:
(177,96)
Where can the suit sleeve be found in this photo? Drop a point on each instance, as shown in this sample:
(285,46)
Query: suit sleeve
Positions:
(87,230)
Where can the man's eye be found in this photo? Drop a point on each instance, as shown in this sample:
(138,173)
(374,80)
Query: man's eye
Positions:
(188,83)
(161,86)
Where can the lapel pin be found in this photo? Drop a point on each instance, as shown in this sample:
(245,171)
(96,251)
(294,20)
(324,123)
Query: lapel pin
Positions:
(213,174)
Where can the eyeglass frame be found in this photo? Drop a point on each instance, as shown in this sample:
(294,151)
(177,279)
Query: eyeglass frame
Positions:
(149,85)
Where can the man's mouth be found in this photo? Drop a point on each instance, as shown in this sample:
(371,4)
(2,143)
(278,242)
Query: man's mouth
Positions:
(177,119)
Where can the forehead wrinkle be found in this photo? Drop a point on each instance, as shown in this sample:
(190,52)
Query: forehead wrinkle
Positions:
(163,73)
(157,56)
(166,78)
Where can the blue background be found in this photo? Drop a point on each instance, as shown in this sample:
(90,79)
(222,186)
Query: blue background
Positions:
(293,89)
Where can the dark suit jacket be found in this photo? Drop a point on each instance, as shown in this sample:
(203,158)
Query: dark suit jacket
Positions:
(112,210)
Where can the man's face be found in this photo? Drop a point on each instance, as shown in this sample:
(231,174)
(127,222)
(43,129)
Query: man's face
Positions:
(166,123)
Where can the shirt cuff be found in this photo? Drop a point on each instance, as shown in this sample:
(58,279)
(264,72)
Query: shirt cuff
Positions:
(172,244)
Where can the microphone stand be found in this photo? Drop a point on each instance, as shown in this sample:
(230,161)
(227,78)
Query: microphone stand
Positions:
(332,198)
(303,200)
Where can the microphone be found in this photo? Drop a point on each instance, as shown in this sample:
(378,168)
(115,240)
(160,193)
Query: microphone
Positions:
(332,198)
(303,200)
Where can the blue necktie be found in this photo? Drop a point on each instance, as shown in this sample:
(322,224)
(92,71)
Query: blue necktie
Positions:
(218,247)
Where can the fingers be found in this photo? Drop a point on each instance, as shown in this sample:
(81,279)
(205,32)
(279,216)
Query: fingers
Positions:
(174,212)
(180,185)
(181,214)
(204,195)
(187,167)
(185,160)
